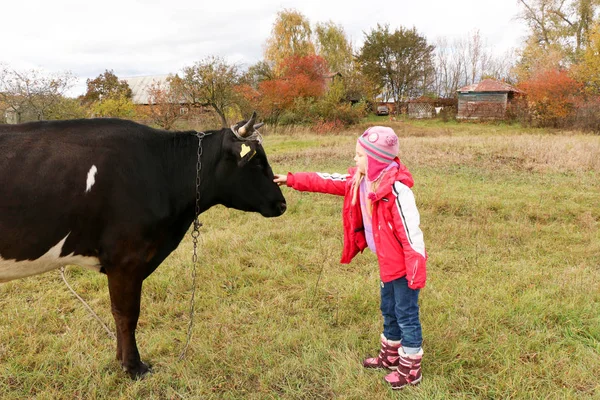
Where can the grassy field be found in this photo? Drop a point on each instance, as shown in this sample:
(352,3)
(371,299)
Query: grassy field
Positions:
(511,309)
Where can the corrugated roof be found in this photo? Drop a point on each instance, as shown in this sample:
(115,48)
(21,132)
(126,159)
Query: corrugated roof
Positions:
(489,85)
(139,86)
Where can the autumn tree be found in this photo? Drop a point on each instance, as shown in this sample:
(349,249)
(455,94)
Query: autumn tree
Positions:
(563,22)
(302,79)
(553,96)
(588,70)
(32,94)
(559,33)
(333,45)
(534,59)
(400,61)
(291,35)
(104,86)
(212,82)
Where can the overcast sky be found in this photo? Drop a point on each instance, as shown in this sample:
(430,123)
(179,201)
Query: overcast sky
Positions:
(136,38)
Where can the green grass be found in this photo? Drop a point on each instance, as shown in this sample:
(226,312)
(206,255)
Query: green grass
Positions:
(511,308)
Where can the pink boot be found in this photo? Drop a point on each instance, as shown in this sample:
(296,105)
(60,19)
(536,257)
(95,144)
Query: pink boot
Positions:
(408,371)
(388,355)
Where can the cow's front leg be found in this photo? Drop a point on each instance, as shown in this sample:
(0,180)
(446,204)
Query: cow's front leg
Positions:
(125,293)
(119,345)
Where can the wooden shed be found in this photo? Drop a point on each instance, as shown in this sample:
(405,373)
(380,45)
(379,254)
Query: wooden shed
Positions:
(488,99)
(140,89)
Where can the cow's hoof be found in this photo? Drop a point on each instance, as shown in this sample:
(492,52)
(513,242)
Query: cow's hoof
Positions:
(138,372)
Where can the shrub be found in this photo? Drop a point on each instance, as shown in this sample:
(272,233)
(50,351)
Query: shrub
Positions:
(334,126)
(552,97)
(120,107)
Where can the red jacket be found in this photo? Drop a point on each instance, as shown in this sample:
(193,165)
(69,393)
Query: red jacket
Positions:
(396,232)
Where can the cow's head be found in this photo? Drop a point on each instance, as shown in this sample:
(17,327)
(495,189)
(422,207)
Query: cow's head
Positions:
(245,179)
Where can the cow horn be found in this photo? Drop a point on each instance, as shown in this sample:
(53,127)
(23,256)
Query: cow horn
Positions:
(247,129)
(256,126)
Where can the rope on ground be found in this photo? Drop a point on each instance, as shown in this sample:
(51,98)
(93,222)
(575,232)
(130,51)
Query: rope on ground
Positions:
(110,333)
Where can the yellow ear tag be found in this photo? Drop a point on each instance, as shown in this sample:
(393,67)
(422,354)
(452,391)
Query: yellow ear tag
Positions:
(245,150)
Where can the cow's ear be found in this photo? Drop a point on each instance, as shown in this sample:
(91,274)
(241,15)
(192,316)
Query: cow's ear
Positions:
(244,151)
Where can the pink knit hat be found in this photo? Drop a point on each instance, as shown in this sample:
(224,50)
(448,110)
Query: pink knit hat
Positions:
(381,146)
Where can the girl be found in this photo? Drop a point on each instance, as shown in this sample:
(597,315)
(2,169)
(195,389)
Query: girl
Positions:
(380,213)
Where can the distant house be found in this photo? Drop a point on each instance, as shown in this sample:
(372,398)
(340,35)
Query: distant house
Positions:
(11,116)
(140,90)
(140,86)
(17,115)
(488,99)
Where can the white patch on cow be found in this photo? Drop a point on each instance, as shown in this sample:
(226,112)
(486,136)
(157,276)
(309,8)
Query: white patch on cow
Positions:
(12,269)
(91,178)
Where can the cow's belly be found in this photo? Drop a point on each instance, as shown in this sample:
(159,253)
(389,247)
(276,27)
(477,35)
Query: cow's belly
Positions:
(12,269)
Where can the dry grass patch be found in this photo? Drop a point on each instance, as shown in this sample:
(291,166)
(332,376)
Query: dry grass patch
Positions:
(536,153)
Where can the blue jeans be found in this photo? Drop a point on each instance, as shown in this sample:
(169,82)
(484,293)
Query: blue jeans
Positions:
(400,310)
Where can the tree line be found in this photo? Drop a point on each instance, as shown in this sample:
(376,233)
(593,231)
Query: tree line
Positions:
(313,74)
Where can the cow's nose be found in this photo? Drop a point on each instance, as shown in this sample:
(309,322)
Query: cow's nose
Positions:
(282,207)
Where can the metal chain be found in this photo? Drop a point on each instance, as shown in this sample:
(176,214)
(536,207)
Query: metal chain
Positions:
(195,238)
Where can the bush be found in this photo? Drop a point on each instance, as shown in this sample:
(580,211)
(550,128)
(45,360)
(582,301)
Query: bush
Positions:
(66,108)
(587,116)
(121,107)
(334,126)
(552,97)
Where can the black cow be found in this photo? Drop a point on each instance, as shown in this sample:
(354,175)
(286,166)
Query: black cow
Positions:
(117,197)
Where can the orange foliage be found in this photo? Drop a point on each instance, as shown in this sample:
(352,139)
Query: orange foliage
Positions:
(552,96)
(301,77)
(313,67)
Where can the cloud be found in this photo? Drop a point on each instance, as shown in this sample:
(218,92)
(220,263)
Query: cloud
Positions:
(158,37)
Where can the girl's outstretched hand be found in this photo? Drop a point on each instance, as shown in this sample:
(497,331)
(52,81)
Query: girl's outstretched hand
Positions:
(280,179)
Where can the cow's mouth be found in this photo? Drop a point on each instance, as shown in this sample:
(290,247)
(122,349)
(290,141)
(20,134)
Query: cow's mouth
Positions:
(276,210)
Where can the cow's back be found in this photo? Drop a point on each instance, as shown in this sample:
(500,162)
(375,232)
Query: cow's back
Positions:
(66,180)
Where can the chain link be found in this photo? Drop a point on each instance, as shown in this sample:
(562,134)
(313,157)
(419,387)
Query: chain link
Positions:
(195,238)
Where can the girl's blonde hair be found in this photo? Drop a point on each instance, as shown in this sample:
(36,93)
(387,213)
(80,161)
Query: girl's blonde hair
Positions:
(358,178)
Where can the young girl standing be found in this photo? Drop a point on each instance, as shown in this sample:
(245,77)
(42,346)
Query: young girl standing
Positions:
(379,212)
